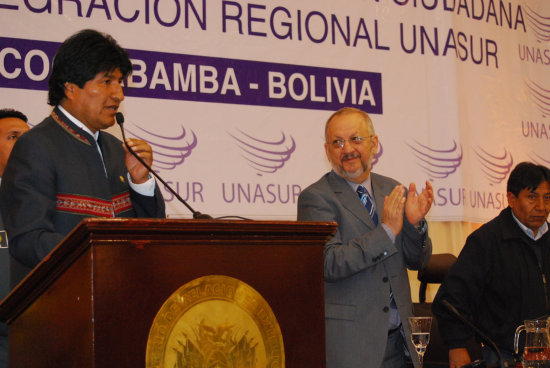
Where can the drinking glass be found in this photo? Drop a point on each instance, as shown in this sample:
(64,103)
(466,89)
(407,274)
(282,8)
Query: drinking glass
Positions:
(420,334)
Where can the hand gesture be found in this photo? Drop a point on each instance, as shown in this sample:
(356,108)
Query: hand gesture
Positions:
(417,207)
(394,205)
(138,172)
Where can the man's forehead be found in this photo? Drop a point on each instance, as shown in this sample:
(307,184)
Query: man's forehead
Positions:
(543,187)
(10,126)
(12,122)
(113,73)
(347,122)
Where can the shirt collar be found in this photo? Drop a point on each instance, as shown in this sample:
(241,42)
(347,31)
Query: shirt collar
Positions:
(78,123)
(540,232)
(367,184)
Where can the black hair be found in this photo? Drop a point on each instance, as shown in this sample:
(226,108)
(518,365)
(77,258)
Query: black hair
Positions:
(11,113)
(81,57)
(527,175)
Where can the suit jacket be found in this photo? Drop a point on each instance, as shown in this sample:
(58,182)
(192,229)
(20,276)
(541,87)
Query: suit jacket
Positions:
(361,263)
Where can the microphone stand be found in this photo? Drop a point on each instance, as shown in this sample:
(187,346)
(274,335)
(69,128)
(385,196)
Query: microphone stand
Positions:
(484,337)
(196,215)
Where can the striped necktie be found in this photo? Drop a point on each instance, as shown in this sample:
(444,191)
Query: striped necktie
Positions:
(367,201)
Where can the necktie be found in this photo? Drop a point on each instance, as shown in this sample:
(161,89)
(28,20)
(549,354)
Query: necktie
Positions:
(367,201)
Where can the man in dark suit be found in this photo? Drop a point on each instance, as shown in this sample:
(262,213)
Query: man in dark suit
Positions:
(68,168)
(501,276)
(381,233)
(13,123)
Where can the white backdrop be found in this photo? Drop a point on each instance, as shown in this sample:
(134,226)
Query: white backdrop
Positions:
(233,95)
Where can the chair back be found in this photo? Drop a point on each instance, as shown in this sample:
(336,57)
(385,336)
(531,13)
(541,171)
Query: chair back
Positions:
(434,273)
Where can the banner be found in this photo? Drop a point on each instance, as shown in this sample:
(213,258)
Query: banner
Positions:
(233,96)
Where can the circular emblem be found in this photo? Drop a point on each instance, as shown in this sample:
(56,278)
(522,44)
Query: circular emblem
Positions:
(215,322)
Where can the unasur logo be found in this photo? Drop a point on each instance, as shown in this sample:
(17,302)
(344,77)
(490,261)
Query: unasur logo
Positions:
(265,156)
(538,27)
(539,160)
(168,151)
(539,96)
(537,23)
(437,163)
(496,168)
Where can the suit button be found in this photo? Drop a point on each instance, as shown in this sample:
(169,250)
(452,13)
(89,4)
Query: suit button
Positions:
(385,279)
(386,309)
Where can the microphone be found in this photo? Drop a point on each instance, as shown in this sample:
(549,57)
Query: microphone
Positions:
(196,215)
(483,337)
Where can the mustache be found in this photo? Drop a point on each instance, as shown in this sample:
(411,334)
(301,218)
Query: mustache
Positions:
(351,155)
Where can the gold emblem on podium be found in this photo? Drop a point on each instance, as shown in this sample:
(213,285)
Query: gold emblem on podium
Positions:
(215,322)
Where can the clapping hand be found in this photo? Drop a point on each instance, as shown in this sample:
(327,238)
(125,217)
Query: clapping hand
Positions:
(417,206)
(394,205)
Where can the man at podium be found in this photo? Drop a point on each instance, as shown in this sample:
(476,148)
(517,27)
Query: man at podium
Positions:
(381,233)
(67,168)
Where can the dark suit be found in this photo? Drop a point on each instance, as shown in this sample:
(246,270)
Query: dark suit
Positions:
(55,177)
(361,263)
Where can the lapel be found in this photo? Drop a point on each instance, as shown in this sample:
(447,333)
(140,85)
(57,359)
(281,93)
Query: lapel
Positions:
(71,128)
(380,190)
(105,152)
(350,200)
(84,137)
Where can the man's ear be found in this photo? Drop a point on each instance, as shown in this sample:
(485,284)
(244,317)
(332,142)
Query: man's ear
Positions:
(511,199)
(70,89)
(374,142)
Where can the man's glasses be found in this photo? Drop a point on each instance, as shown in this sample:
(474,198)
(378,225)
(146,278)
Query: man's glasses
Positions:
(355,141)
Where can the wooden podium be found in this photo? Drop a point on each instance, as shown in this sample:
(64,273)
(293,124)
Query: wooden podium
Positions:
(93,300)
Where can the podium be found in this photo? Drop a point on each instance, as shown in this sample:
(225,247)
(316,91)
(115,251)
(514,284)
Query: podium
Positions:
(93,300)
